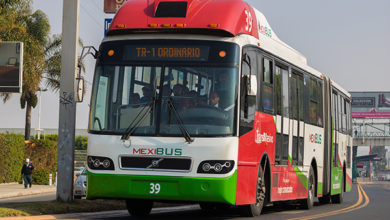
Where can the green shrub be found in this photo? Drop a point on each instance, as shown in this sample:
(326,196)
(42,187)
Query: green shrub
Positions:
(51,137)
(11,157)
(41,176)
(43,155)
(81,143)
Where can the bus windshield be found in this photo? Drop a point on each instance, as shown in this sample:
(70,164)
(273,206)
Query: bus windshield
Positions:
(140,93)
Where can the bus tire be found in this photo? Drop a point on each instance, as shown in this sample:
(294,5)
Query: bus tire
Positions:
(337,199)
(324,199)
(308,203)
(139,207)
(253,210)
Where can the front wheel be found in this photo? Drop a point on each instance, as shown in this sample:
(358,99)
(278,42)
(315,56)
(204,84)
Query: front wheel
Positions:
(308,203)
(139,207)
(253,210)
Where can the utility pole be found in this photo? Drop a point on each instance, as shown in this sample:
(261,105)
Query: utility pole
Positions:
(67,119)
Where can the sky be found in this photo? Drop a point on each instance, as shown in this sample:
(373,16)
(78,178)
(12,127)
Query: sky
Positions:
(348,40)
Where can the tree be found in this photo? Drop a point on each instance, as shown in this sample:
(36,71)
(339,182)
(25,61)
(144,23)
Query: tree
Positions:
(42,55)
(18,23)
(53,62)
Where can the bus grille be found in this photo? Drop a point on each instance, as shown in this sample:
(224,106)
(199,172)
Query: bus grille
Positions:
(156,163)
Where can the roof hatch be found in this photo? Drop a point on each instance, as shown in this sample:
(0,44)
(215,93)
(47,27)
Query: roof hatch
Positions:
(171,9)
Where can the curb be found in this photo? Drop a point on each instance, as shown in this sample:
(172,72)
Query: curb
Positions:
(101,214)
(27,192)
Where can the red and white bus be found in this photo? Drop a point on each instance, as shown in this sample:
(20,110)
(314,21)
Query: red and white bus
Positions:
(200,101)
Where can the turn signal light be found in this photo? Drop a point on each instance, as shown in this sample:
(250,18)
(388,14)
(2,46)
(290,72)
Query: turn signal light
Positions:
(153,25)
(166,25)
(180,25)
(120,26)
(213,25)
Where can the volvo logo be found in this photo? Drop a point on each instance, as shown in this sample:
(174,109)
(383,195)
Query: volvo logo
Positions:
(155,163)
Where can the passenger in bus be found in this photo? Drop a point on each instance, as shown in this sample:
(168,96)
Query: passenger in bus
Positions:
(190,100)
(202,100)
(178,90)
(166,91)
(135,100)
(147,94)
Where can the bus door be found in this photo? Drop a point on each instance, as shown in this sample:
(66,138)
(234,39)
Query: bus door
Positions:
(297,118)
(335,149)
(281,181)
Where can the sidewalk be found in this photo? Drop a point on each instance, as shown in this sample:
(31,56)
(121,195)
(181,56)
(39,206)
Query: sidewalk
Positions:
(15,190)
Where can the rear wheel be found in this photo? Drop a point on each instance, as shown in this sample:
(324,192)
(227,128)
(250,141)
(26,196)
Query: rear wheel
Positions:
(324,199)
(253,210)
(139,207)
(308,203)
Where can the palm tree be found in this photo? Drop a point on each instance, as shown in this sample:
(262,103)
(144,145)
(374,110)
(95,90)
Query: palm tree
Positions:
(53,62)
(18,23)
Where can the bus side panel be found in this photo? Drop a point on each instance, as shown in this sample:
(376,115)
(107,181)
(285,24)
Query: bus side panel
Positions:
(288,184)
(252,146)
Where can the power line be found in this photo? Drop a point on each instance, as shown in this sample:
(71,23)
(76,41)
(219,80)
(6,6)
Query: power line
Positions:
(92,17)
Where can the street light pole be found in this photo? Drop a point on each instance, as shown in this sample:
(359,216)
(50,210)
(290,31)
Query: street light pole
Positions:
(39,112)
(67,119)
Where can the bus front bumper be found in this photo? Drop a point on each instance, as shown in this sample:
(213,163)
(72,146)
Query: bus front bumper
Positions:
(197,189)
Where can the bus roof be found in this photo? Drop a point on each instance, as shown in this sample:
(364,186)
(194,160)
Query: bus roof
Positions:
(228,17)
(217,17)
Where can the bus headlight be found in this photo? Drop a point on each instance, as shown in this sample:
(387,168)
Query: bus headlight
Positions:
(100,163)
(216,166)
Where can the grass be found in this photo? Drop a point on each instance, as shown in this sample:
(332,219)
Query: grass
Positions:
(57,207)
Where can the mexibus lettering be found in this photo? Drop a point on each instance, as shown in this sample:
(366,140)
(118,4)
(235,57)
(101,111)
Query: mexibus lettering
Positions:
(315,138)
(260,138)
(265,30)
(158,151)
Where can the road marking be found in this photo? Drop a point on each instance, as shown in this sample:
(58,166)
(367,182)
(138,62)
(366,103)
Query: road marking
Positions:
(357,205)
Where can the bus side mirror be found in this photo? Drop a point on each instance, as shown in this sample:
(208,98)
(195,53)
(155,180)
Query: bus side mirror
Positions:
(79,89)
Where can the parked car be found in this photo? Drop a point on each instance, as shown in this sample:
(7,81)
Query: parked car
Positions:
(80,186)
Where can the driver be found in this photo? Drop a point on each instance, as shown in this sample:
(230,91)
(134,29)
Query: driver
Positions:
(214,99)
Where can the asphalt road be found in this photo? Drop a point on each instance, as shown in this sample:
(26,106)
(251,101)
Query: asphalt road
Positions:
(31,198)
(367,202)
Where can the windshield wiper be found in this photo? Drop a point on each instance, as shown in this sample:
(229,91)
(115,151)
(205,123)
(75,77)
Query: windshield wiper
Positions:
(179,121)
(138,119)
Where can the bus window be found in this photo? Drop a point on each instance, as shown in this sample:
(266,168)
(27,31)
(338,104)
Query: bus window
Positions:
(267,86)
(285,93)
(335,112)
(315,103)
(294,97)
(278,89)
(301,98)
(248,102)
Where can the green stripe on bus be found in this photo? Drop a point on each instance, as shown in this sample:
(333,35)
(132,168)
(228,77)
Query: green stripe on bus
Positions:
(302,177)
(162,187)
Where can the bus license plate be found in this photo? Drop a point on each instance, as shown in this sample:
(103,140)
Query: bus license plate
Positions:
(155,188)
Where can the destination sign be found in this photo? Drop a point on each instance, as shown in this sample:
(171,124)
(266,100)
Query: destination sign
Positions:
(158,52)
